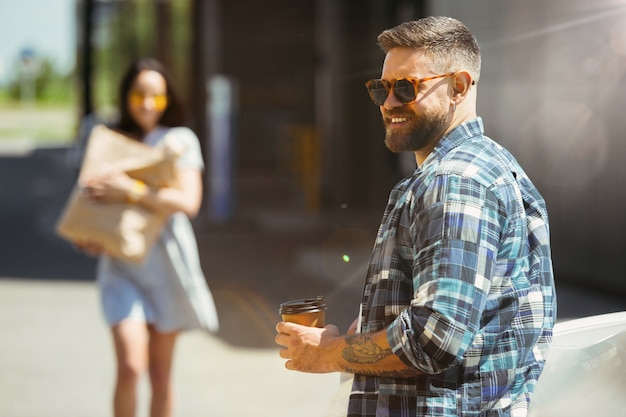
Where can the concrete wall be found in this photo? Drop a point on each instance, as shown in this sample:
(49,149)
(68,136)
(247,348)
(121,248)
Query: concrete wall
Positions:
(552,92)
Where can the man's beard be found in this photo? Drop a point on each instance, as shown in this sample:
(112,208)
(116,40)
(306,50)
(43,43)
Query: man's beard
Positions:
(419,132)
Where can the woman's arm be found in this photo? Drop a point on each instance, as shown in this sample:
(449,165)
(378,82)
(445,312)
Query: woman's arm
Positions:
(117,187)
(187,197)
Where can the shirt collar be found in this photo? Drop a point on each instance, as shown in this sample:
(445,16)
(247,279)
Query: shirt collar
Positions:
(455,137)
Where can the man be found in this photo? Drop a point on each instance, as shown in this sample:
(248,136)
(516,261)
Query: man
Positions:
(459,301)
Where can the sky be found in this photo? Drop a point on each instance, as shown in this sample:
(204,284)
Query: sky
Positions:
(48,27)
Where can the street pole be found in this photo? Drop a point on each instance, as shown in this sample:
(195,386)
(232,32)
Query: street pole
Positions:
(163,13)
(87,58)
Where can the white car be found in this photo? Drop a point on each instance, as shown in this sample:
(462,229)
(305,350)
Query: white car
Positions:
(585,371)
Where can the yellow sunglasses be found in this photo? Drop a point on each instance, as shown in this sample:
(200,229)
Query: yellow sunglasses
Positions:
(137,98)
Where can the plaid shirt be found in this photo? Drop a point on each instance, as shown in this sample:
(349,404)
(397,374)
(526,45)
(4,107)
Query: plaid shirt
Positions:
(461,277)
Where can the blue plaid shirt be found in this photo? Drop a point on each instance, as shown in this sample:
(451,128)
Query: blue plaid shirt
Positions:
(461,277)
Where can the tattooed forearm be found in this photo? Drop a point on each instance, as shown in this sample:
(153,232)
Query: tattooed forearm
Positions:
(398,373)
(362,349)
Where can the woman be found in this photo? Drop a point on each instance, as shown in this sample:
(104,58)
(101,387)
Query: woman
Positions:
(148,305)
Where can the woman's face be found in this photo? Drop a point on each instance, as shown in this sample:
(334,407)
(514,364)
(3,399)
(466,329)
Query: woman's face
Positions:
(147,99)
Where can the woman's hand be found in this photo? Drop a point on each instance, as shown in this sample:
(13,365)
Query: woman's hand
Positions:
(108,187)
(89,247)
(116,187)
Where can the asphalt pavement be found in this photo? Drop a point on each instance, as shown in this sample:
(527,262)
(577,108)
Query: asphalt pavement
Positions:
(56,359)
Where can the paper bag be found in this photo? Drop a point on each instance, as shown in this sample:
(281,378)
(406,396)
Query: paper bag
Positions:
(125,231)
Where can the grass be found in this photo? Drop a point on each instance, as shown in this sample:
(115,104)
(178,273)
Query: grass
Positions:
(50,119)
(37,123)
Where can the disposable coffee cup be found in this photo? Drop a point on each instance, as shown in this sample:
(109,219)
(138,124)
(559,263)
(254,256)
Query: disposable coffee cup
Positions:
(307,312)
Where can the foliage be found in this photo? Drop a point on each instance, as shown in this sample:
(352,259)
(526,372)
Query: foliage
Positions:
(131,31)
(123,31)
(47,83)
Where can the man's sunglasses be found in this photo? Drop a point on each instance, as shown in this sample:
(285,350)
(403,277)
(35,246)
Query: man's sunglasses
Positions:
(404,89)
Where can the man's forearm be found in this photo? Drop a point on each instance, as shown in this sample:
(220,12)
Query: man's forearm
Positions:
(371,354)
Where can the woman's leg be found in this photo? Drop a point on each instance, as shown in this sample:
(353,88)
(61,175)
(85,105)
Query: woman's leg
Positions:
(131,351)
(161,347)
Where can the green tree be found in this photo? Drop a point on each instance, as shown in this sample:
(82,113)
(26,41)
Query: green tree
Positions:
(48,84)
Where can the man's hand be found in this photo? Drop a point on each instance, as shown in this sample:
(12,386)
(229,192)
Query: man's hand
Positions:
(309,349)
(353,327)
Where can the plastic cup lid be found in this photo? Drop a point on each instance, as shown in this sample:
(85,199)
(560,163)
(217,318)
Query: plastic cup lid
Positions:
(303,305)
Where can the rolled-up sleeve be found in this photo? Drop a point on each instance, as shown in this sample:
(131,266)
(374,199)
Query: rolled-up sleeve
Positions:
(455,241)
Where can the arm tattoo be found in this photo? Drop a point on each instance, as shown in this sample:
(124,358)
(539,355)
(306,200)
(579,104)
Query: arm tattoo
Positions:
(362,350)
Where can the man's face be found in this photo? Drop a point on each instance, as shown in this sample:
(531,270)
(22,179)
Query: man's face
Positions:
(417,126)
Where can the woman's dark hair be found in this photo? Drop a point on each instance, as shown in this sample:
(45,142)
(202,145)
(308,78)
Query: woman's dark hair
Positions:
(174,114)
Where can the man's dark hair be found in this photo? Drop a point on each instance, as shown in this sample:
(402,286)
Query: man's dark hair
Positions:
(446,41)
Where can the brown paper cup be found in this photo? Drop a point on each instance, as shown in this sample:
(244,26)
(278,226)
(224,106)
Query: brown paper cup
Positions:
(307,312)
